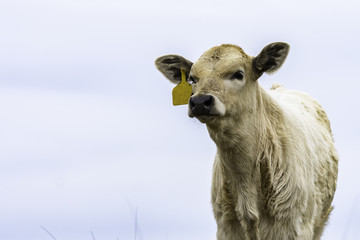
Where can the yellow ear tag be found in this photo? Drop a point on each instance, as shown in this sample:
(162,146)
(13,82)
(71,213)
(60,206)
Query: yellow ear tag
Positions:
(182,92)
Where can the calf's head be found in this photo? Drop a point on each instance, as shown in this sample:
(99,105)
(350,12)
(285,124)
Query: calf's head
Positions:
(224,79)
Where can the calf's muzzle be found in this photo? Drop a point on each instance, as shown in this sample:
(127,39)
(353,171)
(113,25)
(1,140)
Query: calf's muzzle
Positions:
(201,105)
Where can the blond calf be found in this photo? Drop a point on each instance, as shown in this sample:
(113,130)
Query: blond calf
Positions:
(275,170)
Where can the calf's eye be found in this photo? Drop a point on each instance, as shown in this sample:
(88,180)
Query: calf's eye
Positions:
(191,80)
(238,75)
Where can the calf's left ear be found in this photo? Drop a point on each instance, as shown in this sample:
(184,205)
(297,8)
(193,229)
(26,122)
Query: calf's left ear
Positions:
(270,58)
(171,65)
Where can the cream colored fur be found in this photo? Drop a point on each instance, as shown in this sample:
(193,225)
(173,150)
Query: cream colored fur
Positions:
(275,171)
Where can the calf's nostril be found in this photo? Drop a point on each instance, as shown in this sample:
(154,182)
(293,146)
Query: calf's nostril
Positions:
(191,103)
(208,102)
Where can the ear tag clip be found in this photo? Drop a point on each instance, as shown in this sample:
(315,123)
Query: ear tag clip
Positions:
(182,92)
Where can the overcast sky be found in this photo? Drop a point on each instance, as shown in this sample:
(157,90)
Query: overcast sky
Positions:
(88,134)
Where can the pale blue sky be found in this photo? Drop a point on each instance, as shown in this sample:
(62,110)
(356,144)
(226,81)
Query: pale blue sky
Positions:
(88,132)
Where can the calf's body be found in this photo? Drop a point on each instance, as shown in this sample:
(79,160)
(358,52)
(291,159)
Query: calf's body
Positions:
(275,171)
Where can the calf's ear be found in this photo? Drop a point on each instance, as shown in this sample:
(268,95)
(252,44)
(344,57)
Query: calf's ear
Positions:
(270,58)
(171,65)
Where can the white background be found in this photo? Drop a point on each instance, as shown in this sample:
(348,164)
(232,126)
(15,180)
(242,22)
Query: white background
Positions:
(89,138)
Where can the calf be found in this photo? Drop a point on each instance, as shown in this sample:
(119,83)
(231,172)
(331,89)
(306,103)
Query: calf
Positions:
(275,170)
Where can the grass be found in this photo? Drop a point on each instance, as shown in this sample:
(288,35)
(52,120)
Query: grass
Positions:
(136,231)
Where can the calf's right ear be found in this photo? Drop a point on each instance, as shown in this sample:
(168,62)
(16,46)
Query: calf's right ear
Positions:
(171,65)
(270,58)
